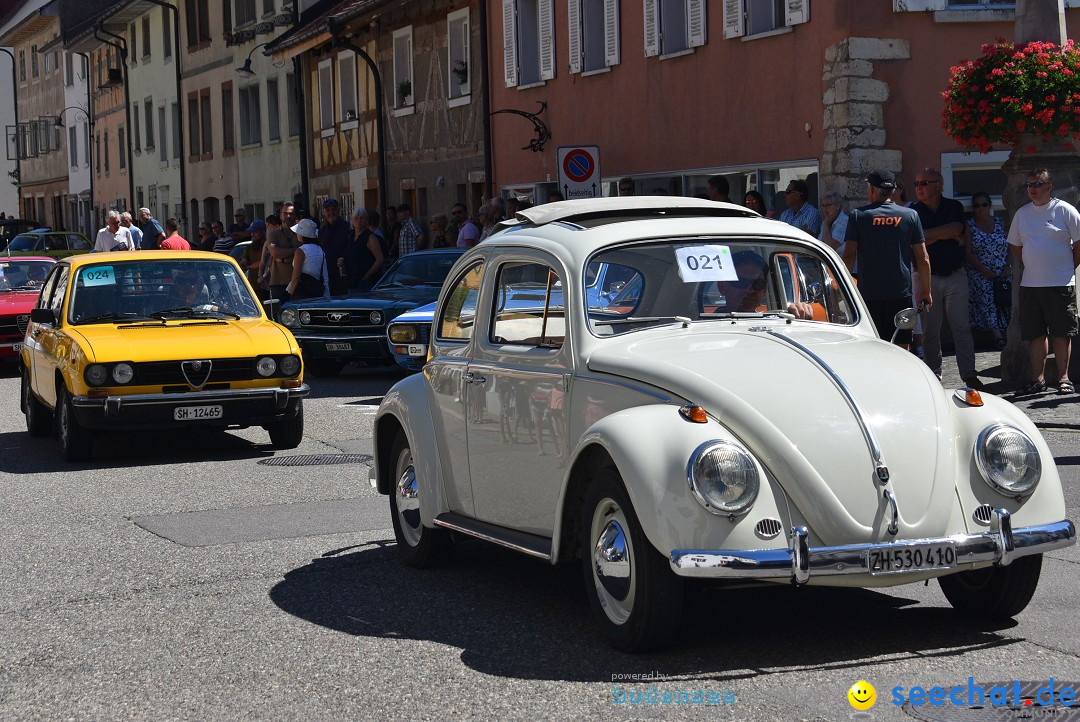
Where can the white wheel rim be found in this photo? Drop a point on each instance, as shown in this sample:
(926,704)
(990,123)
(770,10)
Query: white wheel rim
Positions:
(407,499)
(611,555)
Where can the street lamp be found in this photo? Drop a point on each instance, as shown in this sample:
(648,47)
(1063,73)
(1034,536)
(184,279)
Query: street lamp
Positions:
(245,71)
(59,120)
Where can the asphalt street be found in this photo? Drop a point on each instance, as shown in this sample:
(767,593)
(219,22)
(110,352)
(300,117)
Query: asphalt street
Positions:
(181,576)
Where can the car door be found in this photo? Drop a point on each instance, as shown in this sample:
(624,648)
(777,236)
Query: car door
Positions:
(515,401)
(451,336)
(47,338)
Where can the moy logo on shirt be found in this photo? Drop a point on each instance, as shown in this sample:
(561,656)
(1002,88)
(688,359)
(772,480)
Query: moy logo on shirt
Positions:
(894,221)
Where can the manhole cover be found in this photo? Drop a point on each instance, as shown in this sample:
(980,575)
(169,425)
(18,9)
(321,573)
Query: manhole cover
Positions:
(318,460)
(1021,700)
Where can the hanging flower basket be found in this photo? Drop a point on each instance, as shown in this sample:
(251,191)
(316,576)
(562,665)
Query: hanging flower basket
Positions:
(1010,91)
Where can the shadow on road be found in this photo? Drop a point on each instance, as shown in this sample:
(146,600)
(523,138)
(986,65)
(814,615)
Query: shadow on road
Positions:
(513,616)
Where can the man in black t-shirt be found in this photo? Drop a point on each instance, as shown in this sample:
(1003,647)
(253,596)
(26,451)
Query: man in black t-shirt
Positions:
(885,238)
(943,225)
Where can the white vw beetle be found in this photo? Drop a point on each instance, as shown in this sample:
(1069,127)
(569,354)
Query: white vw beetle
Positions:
(726,411)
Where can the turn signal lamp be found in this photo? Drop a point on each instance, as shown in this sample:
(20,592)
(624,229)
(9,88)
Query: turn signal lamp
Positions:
(694,413)
(971,397)
(291,384)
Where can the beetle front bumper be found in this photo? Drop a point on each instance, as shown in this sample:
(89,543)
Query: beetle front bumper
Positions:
(239,408)
(799,562)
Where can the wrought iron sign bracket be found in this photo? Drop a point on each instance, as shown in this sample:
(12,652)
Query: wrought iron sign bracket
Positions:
(543,135)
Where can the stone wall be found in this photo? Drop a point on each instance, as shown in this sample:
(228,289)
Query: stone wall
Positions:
(854,124)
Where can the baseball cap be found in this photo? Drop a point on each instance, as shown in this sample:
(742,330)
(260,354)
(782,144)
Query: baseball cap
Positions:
(329,202)
(882,179)
(257,225)
(306,228)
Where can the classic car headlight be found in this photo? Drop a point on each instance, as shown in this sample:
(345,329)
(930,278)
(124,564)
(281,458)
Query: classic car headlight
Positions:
(288,317)
(404,333)
(290,365)
(122,373)
(97,375)
(305,317)
(266,366)
(723,477)
(1008,460)
(375,317)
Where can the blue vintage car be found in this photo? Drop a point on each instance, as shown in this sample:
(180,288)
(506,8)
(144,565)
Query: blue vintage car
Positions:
(352,329)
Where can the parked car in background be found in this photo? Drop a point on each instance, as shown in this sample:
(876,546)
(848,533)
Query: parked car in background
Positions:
(352,329)
(21,280)
(56,244)
(728,414)
(156,340)
(11,227)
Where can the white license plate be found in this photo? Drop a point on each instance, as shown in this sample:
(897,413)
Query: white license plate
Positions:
(197,413)
(339,347)
(16,347)
(417,350)
(910,558)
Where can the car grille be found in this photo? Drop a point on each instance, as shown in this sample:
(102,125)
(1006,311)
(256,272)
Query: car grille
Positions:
(23,321)
(222,370)
(10,326)
(768,528)
(335,319)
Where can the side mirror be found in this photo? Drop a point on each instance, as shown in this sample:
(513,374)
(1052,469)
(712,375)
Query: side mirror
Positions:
(905,320)
(43,315)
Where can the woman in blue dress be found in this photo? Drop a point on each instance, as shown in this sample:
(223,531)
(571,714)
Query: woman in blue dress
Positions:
(987,260)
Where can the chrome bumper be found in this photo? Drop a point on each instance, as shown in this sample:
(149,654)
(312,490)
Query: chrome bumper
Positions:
(112,405)
(1000,545)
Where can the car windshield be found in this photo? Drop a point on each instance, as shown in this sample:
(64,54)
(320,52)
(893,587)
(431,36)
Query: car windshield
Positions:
(18,275)
(419,269)
(160,290)
(25,242)
(677,281)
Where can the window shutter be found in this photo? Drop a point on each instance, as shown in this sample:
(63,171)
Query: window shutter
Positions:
(796,12)
(900,6)
(573,34)
(652,37)
(545,22)
(510,63)
(695,20)
(611,32)
(734,19)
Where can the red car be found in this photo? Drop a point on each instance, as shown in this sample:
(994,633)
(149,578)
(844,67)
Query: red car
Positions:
(21,278)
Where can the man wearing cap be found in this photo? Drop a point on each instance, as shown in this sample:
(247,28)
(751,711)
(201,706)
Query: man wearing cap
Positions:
(251,258)
(334,236)
(153,233)
(943,225)
(885,238)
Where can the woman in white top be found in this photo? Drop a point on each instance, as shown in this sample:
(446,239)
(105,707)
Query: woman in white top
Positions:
(309,276)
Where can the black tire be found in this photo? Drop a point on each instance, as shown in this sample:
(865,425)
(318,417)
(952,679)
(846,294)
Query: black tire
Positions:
(993,592)
(419,546)
(288,434)
(324,367)
(39,420)
(638,602)
(76,443)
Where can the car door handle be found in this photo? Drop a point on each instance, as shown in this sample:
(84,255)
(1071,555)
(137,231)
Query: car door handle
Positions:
(470,378)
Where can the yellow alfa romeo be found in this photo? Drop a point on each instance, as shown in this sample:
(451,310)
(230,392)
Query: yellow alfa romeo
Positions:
(156,340)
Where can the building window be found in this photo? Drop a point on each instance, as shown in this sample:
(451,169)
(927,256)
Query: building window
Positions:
(137,137)
(73,146)
(193,125)
(290,103)
(106,153)
(148,116)
(268,7)
(198,22)
(33,61)
(529,41)
(963,174)
(86,139)
(457,53)
(326,95)
(404,92)
(163,149)
(177,140)
(166,34)
(48,63)
(133,44)
(675,26)
(754,17)
(250,116)
(22,66)
(273,111)
(69,69)
(347,85)
(593,34)
(228,126)
(97,153)
(120,147)
(245,12)
(207,123)
(145,37)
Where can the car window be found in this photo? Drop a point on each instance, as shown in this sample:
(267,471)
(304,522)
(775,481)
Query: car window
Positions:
(23,274)
(528,306)
(50,286)
(419,269)
(459,311)
(56,299)
(25,242)
(77,242)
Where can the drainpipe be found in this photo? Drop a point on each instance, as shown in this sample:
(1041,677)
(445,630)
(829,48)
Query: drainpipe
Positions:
(89,143)
(179,103)
(122,47)
(298,88)
(485,100)
(334,26)
(18,155)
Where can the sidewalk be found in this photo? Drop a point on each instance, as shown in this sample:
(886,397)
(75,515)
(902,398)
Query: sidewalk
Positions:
(1047,410)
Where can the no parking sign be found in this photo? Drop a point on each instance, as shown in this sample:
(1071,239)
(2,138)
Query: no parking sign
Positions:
(579,171)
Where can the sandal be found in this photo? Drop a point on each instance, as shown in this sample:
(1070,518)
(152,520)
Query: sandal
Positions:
(1066,387)
(1035,387)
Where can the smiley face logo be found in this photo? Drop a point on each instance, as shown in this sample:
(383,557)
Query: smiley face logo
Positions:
(862,695)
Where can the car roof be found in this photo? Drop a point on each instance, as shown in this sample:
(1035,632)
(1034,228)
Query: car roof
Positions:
(125,256)
(23,259)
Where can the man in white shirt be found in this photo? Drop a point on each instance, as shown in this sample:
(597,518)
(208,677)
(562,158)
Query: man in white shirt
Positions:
(113,237)
(1045,235)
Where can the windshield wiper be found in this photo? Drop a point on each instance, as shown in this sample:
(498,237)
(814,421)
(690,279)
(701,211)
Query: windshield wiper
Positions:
(190,312)
(685,321)
(749,314)
(114,316)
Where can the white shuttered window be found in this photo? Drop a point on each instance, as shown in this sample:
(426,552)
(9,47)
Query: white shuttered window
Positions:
(753,17)
(528,41)
(593,34)
(673,26)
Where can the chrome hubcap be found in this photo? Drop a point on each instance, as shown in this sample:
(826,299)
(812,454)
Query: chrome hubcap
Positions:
(408,500)
(612,561)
